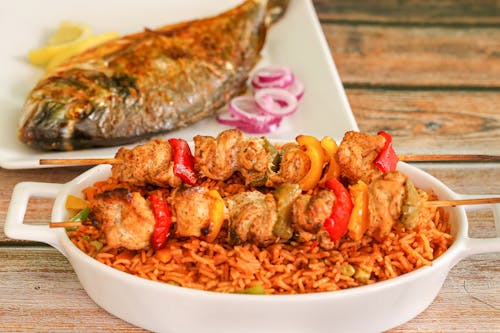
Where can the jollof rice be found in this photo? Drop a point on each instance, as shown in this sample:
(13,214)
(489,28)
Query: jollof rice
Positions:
(279,268)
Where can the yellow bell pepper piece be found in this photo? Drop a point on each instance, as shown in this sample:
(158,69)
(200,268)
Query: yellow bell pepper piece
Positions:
(358,222)
(315,152)
(76,203)
(216,215)
(330,147)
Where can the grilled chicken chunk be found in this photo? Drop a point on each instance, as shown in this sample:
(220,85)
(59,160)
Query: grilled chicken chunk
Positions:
(385,200)
(216,158)
(125,217)
(191,207)
(356,155)
(252,216)
(219,158)
(309,212)
(150,163)
(253,160)
(294,164)
(308,216)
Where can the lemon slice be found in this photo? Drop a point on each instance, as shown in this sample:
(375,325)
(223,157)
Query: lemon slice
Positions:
(79,47)
(66,36)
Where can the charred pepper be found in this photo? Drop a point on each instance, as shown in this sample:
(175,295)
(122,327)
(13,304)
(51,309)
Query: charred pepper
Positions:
(163,220)
(387,159)
(336,224)
(183,161)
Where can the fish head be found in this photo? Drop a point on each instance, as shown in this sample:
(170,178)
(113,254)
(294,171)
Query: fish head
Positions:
(66,110)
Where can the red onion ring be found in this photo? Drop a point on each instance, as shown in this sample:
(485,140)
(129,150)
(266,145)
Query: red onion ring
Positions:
(245,108)
(297,89)
(272,77)
(284,102)
(255,127)
(227,118)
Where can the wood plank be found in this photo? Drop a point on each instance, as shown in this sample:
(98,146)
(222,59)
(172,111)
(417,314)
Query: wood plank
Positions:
(437,122)
(384,56)
(465,12)
(40,292)
(469,296)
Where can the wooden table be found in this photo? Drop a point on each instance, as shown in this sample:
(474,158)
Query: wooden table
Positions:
(428,72)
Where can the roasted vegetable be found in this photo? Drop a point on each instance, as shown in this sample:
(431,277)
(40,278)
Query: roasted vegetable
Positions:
(183,161)
(332,168)
(217,208)
(313,148)
(336,224)
(387,159)
(285,195)
(411,206)
(358,222)
(163,220)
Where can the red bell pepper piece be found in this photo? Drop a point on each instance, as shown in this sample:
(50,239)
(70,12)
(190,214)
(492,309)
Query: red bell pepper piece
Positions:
(336,224)
(387,159)
(163,220)
(183,161)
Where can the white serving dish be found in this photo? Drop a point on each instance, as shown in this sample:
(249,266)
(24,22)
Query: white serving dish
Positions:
(161,307)
(296,41)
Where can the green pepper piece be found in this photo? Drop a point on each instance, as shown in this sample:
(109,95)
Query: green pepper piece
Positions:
(259,181)
(254,290)
(285,195)
(274,161)
(274,155)
(80,217)
(411,206)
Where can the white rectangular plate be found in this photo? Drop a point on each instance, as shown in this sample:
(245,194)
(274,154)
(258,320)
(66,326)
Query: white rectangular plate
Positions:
(296,41)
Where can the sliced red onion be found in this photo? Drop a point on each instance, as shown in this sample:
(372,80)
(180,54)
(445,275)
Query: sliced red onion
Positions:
(245,107)
(227,118)
(272,77)
(297,89)
(259,128)
(255,127)
(271,73)
(277,92)
(266,103)
(284,102)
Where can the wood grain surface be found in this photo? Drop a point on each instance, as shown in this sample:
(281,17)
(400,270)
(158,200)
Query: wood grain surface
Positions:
(426,71)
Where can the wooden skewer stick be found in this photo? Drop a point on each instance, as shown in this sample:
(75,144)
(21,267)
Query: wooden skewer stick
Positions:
(404,158)
(80,161)
(64,224)
(437,203)
(453,203)
(448,157)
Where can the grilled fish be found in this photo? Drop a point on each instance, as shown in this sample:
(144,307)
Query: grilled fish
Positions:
(146,83)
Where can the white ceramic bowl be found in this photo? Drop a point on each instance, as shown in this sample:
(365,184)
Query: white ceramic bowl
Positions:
(161,307)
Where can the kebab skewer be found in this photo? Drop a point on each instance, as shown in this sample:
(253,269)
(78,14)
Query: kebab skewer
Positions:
(283,215)
(359,156)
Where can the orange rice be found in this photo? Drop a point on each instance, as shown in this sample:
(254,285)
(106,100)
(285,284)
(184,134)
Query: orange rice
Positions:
(280,268)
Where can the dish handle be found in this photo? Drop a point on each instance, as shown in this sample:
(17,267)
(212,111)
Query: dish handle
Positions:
(483,245)
(14,223)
